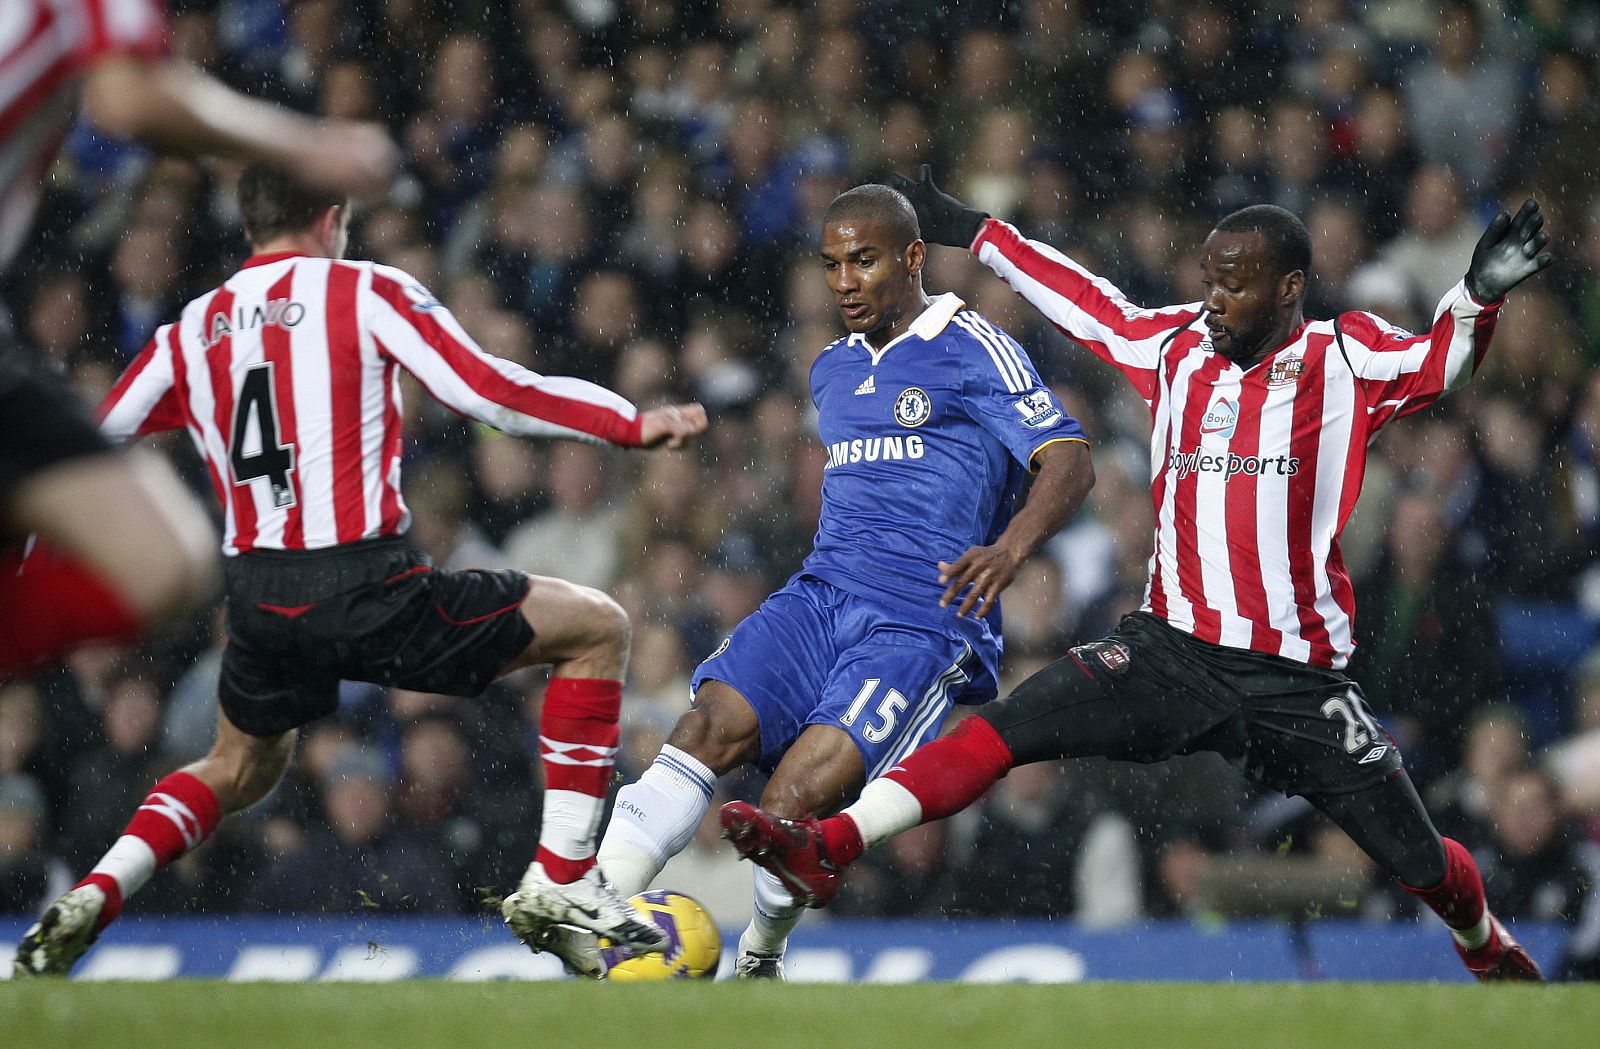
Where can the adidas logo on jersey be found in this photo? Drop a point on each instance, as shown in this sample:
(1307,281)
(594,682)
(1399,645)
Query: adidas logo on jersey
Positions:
(866,387)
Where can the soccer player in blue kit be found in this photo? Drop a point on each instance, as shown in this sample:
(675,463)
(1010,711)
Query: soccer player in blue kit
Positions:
(932,419)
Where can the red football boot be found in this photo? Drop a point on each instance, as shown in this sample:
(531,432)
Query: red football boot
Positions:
(792,850)
(1502,958)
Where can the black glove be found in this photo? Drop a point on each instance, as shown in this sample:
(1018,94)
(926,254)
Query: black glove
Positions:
(1510,251)
(944,219)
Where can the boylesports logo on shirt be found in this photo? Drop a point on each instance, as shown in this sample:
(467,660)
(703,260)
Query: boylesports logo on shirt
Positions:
(1228,464)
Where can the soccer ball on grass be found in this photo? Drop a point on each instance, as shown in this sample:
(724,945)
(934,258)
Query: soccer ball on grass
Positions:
(694,945)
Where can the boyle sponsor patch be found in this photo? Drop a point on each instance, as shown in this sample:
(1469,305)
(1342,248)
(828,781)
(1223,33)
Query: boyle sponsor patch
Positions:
(1037,410)
(1221,418)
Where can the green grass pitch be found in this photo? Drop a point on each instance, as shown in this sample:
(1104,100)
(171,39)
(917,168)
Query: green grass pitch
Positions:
(193,1014)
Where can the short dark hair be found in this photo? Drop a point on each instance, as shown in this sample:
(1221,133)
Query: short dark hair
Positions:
(883,203)
(274,202)
(1288,243)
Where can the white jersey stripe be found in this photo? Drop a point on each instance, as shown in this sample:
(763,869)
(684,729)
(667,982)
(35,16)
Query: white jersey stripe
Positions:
(1006,374)
(1007,350)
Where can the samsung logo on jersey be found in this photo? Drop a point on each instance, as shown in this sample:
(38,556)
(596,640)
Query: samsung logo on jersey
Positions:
(874,449)
(286,312)
(1186,463)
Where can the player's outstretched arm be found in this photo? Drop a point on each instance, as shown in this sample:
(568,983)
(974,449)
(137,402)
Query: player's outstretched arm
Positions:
(671,426)
(172,105)
(1510,251)
(943,218)
(1066,473)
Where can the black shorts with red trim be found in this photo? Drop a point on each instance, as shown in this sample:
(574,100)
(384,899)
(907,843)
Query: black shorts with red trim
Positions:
(1149,691)
(41,422)
(299,622)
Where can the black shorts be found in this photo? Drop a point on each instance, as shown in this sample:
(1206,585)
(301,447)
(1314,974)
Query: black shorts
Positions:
(1149,692)
(41,422)
(299,622)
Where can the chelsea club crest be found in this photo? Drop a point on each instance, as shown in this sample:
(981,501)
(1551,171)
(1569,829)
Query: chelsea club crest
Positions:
(912,407)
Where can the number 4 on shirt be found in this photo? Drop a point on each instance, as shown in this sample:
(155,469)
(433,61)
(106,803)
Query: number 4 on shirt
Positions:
(254,450)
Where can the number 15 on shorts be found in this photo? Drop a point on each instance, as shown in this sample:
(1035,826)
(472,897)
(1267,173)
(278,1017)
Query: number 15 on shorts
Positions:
(882,722)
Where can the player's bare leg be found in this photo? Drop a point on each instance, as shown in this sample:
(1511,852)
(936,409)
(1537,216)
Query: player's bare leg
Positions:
(182,811)
(130,547)
(820,772)
(936,780)
(585,635)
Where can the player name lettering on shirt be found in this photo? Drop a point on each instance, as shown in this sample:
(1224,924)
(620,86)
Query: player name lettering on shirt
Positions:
(874,449)
(1229,464)
(285,312)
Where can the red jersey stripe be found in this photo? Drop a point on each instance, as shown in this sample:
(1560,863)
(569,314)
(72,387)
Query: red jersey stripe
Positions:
(344,375)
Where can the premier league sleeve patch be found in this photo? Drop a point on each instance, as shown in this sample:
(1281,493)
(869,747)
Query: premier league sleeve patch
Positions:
(1038,410)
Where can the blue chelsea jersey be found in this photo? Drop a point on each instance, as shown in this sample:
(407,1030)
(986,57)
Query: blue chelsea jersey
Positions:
(929,440)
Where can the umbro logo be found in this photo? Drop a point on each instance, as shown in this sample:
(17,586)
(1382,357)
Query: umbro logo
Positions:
(866,387)
(1375,754)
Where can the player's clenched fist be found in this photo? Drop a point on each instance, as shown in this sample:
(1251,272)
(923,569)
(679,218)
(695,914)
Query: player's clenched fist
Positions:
(671,425)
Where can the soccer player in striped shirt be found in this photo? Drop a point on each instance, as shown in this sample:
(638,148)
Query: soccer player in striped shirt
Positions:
(1261,425)
(58,477)
(287,380)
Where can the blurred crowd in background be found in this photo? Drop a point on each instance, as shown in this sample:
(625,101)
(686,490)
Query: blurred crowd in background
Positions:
(630,191)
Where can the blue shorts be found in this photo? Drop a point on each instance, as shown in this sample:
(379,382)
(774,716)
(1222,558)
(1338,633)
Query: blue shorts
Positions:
(813,654)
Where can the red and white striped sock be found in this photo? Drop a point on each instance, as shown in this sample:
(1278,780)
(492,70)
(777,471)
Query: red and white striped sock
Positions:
(179,814)
(578,744)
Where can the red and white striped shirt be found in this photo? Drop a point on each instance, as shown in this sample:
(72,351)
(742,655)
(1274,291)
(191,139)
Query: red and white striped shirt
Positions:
(1253,472)
(45,46)
(287,379)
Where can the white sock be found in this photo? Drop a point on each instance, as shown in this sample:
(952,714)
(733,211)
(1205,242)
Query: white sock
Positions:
(129,862)
(1474,937)
(775,917)
(884,809)
(654,819)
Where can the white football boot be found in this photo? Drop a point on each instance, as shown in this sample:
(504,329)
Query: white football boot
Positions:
(590,903)
(59,938)
(754,965)
(578,949)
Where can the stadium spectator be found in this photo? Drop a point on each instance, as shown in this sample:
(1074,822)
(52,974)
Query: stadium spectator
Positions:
(1462,98)
(1426,638)
(1538,864)
(359,858)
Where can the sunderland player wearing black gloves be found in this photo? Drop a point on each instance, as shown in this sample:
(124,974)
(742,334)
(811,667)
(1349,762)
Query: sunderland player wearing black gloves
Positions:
(1261,421)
